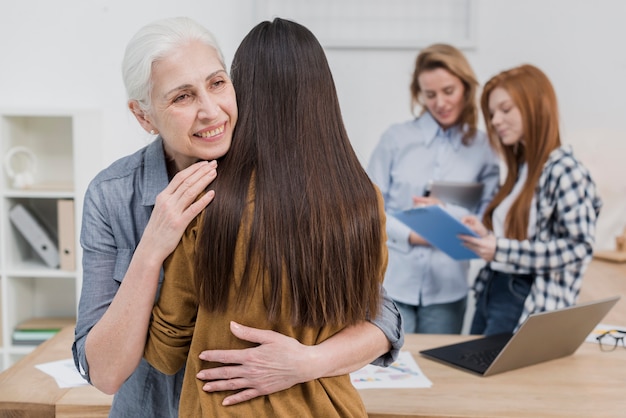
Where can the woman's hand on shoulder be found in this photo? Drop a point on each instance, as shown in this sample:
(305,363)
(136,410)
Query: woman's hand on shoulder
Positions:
(176,206)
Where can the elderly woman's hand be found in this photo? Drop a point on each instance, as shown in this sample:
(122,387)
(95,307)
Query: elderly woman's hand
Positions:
(277,363)
(176,206)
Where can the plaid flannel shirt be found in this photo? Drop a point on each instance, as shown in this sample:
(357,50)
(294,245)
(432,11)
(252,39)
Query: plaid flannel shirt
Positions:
(561,248)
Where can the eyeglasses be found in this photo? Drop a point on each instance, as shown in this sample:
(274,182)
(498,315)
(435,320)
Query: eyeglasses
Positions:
(610,339)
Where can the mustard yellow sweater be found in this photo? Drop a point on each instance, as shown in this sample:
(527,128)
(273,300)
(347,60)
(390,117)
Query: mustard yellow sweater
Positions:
(177,336)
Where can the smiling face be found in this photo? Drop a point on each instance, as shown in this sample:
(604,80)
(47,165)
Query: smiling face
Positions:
(443,95)
(194,107)
(505,117)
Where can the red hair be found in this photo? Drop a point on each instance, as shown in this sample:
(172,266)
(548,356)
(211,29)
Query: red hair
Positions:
(533,94)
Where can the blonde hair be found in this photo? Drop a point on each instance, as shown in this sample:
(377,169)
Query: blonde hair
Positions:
(452,60)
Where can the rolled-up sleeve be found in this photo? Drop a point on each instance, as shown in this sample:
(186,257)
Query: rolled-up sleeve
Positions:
(390,323)
(388,320)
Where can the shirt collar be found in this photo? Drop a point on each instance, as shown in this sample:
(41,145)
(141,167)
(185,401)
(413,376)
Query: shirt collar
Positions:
(432,130)
(155,178)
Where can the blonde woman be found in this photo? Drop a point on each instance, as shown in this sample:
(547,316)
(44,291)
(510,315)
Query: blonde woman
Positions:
(442,143)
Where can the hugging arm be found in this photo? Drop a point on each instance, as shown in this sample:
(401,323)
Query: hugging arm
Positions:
(174,315)
(108,345)
(280,362)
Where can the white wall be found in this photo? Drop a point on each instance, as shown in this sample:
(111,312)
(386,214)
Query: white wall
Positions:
(67,53)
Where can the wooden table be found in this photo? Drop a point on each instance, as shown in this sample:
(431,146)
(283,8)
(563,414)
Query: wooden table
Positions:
(589,383)
(25,391)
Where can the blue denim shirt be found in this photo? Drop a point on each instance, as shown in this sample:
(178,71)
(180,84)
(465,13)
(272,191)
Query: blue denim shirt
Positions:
(408,156)
(118,205)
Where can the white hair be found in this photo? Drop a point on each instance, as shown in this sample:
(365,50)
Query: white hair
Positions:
(152,43)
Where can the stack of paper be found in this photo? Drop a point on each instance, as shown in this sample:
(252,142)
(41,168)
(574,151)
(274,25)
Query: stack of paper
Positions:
(64,373)
(403,373)
(37,330)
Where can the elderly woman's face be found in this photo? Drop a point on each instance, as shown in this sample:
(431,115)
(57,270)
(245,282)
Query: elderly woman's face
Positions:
(194,108)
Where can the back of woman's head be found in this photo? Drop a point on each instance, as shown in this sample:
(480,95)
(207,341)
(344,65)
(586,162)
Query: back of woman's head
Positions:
(534,96)
(152,43)
(280,70)
(452,60)
(316,216)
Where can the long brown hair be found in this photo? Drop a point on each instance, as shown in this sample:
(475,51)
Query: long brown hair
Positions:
(452,60)
(533,94)
(316,219)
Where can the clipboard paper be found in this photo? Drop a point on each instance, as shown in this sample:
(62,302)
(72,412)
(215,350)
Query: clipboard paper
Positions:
(439,228)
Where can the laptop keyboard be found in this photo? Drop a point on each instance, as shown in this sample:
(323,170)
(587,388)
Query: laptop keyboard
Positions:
(483,358)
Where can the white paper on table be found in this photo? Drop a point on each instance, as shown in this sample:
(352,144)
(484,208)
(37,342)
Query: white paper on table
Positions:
(64,373)
(403,373)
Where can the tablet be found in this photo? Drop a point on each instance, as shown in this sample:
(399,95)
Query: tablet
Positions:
(463,194)
(439,228)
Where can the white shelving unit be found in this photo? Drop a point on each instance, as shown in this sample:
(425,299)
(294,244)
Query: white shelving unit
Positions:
(66,147)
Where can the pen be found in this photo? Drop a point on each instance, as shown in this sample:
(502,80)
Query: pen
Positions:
(427,189)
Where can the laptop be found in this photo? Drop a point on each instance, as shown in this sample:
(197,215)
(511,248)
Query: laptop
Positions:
(542,337)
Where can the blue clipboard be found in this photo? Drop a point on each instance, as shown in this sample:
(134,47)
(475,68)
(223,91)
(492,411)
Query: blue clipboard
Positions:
(439,228)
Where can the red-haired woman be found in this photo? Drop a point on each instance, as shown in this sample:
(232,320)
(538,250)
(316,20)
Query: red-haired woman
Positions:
(537,234)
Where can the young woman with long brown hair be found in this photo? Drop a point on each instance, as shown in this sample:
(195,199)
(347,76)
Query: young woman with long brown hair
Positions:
(294,241)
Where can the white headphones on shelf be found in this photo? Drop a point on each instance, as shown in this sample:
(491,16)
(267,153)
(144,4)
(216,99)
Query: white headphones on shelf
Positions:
(20,164)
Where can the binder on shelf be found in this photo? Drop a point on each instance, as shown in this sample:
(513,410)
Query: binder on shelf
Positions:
(35,234)
(65,224)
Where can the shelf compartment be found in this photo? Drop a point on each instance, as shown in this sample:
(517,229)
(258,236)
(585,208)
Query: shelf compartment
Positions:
(37,297)
(50,139)
(20,255)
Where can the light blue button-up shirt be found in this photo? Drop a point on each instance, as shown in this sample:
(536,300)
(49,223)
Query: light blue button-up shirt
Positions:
(408,156)
(118,205)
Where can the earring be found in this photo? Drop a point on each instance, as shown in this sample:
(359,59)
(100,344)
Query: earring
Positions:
(152,132)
